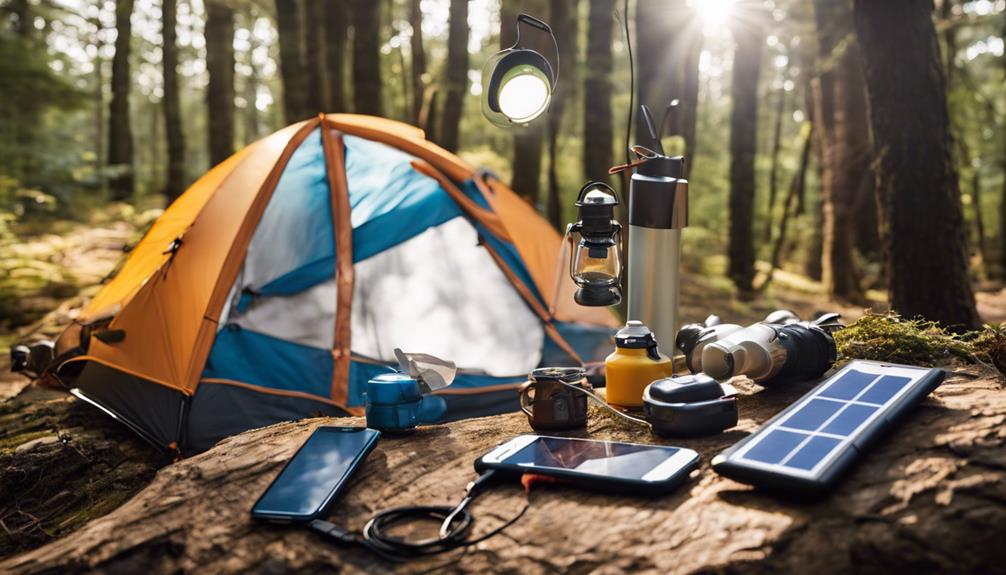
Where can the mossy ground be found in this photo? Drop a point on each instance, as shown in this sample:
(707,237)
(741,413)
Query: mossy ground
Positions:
(93,466)
(890,337)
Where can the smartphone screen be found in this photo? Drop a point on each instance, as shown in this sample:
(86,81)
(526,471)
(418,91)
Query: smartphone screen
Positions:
(316,473)
(607,459)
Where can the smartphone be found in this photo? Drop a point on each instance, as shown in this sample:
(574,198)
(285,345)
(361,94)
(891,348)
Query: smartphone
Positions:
(608,465)
(316,474)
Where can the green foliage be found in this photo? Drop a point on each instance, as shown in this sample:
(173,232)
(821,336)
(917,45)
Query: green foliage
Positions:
(32,89)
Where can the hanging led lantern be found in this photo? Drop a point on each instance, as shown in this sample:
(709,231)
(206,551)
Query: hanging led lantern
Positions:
(517,83)
(595,262)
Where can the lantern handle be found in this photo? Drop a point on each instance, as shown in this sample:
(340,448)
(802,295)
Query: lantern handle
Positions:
(525,18)
(595,184)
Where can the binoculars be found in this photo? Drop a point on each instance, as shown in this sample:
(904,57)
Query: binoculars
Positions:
(779,349)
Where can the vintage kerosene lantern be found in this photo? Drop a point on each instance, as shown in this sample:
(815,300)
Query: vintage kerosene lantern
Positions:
(595,262)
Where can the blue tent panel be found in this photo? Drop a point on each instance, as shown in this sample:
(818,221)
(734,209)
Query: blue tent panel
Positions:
(250,357)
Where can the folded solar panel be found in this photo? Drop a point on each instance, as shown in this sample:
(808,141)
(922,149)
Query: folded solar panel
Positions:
(813,441)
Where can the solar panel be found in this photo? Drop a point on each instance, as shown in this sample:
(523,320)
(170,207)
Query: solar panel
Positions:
(815,438)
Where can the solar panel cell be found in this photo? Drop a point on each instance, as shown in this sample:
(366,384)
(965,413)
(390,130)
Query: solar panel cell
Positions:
(813,415)
(849,386)
(884,389)
(775,447)
(849,419)
(812,452)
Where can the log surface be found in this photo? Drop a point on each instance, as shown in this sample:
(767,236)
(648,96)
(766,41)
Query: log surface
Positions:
(929,498)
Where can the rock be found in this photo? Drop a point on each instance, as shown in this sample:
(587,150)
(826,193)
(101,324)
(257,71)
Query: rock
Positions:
(929,498)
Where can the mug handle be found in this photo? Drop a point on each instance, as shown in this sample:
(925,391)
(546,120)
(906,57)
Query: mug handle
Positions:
(523,391)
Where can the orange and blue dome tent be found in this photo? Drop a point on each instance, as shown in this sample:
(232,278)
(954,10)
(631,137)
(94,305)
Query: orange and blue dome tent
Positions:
(285,277)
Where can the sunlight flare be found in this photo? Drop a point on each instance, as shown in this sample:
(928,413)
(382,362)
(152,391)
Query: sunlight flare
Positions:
(714,15)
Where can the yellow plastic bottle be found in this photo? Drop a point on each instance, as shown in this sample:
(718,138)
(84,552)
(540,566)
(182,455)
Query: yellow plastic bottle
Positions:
(635,363)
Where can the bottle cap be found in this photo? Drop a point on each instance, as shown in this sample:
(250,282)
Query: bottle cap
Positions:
(635,335)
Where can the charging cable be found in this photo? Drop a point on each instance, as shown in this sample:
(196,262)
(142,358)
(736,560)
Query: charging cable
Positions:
(604,404)
(455,523)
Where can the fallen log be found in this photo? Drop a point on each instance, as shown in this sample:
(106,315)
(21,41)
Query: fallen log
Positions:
(929,498)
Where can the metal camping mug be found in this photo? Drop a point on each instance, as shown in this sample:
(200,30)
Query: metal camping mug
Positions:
(549,404)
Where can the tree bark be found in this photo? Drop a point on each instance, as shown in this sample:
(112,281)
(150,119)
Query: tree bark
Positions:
(418,62)
(563,14)
(120,134)
(176,179)
(917,182)
(598,128)
(455,76)
(943,463)
(367,57)
(336,25)
(843,146)
(527,148)
(220,91)
(315,52)
(668,44)
(291,61)
(748,39)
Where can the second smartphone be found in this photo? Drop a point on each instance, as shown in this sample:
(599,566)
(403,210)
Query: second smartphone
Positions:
(631,468)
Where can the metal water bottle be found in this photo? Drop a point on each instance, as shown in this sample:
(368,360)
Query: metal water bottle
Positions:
(658,210)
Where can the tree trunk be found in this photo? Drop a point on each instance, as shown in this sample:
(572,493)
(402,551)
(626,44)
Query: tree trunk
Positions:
(842,146)
(598,136)
(1002,194)
(796,186)
(976,202)
(99,106)
(917,182)
(938,480)
(316,98)
(418,62)
(430,116)
(668,45)
(563,14)
(527,141)
(748,39)
(120,134)
(773,176)
(336,25)
(291,61)
(455,76)
(220,90)
(176,180)
(367,57)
